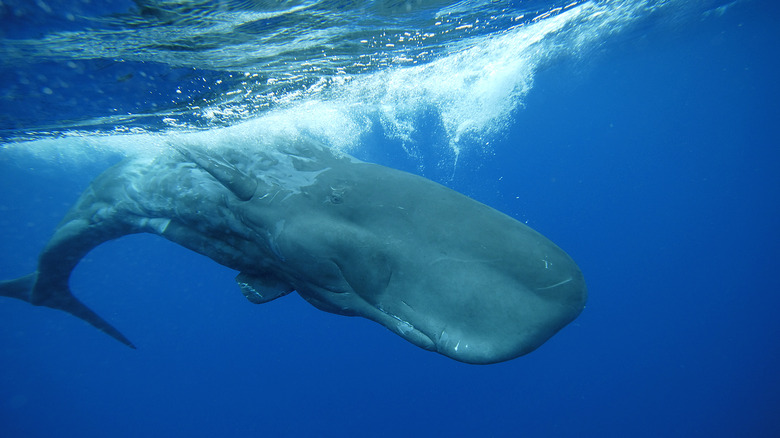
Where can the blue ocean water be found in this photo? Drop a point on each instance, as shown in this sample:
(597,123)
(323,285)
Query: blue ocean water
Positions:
(640,136)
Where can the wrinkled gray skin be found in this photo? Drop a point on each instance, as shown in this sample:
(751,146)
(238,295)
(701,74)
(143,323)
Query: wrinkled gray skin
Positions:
(443,271)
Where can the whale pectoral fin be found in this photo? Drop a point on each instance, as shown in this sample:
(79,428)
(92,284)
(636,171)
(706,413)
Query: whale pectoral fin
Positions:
(261,289)
(28,289)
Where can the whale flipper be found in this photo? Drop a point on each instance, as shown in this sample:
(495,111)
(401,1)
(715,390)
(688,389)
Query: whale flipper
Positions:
(261,290)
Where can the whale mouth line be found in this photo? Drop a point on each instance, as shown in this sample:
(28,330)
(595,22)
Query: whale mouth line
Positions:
(405,329)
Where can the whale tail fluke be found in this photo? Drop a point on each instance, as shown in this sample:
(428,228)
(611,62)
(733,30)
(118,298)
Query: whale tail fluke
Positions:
(20,288)
(61,299)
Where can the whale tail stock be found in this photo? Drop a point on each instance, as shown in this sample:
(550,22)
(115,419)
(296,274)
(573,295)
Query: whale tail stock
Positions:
(59,298)
(82,229)
(103,212)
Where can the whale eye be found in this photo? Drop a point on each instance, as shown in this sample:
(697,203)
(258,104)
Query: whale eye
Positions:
(337,195)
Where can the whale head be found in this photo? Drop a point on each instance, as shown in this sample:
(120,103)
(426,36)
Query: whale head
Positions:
(443,271)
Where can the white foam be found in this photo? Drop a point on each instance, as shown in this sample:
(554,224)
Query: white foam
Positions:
(472,91)
(475,90)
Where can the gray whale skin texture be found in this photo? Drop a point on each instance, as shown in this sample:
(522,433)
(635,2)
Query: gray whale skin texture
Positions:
(441,270)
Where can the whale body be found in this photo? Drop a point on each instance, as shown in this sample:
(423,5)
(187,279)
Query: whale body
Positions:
(443,271)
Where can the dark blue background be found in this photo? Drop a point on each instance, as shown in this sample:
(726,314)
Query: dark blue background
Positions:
(654,165)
